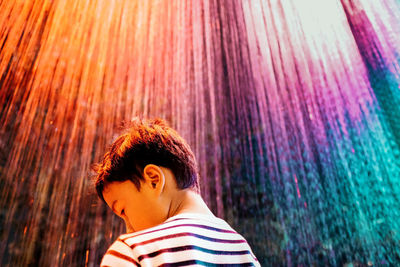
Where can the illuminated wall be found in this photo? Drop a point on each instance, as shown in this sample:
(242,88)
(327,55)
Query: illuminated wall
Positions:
(292,109)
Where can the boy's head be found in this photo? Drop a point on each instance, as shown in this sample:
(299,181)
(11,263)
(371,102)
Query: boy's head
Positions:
(145,165)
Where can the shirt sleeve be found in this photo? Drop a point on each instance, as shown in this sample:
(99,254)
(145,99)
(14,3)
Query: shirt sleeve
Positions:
(119,254)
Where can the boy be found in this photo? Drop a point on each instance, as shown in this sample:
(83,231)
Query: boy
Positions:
(149,178)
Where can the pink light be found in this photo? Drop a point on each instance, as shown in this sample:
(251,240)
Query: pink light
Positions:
(297,186)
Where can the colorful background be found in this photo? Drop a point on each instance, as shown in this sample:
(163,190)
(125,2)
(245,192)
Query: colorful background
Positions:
(291,107)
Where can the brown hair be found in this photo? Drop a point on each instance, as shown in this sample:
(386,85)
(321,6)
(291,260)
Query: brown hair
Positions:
(147,141)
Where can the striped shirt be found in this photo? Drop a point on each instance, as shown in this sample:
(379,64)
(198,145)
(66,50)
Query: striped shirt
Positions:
(186,239)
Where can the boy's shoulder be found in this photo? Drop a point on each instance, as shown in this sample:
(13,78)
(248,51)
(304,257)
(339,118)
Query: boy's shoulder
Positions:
(178,224)
(184,237)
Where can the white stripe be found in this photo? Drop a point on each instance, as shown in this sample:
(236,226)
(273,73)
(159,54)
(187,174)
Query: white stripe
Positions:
(111,260)
(195,255)
(130,240)
(190,240)
(122,248)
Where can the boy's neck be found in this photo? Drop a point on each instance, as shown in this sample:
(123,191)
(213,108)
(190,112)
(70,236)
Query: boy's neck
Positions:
(188,201)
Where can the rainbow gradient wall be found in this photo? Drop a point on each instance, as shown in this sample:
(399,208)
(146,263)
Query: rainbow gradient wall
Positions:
(291,107)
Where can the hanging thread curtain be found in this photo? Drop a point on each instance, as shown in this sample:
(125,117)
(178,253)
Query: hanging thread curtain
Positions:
(291,107)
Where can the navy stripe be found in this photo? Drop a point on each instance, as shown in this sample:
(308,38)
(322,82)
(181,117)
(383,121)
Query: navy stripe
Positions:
(191,247)
(204,263)
(226,241)
(180,225)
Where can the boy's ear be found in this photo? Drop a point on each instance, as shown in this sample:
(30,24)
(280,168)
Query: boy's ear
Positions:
(154,177)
